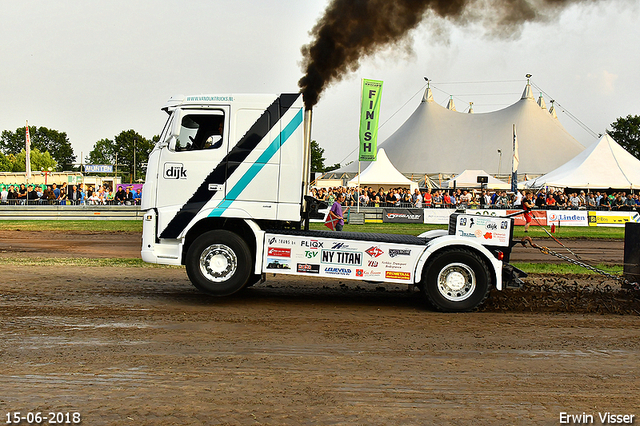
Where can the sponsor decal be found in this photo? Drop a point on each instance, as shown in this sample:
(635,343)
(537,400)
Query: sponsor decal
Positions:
(371,274)
(341,257)
(312,244)
(372,263)
(174,171)
(488,236)
(359,272)
(397,252)
(504,224)
(341,246)
(397,275)
(278,264)
(275,240)
(337,271)
(310,254)
(374,251)
(308,268)
(394,265)
(278,252)
(461,233)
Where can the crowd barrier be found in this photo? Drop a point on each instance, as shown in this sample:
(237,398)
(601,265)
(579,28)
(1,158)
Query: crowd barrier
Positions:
(81,212)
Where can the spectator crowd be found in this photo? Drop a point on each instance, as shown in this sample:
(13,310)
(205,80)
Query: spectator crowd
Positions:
(66,194)
(484,199)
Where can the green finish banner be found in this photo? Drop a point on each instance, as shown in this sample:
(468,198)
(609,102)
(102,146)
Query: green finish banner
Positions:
(369,113)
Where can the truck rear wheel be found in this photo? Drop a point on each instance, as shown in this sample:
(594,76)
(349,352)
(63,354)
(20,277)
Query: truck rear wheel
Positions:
(456,280)
(219,263)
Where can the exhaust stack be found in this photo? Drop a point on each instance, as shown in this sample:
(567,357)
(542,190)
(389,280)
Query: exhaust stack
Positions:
(306,151)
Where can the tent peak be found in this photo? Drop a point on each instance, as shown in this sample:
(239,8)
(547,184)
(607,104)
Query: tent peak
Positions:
(528,93)
(552,110)
(428,95)
(541,102)
(451,106)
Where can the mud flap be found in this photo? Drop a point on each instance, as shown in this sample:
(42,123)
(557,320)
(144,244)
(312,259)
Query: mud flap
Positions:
(511,276)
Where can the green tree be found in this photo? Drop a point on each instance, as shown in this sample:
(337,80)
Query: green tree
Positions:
(43,139)
(330,168)
(317,160)
(6,165)
(122,147)
(626,131)
(39,161)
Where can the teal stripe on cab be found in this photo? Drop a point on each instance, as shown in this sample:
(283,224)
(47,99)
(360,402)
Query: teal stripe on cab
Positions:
(255,168)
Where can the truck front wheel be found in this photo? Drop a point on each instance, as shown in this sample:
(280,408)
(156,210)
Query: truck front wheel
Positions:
(219,263)
(456,280)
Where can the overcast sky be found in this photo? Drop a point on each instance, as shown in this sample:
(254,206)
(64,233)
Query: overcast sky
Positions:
(93,69)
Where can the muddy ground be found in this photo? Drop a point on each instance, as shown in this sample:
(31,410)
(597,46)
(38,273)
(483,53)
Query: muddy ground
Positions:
(141,346)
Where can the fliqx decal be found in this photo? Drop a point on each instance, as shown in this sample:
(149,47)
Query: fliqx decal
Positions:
(269,118)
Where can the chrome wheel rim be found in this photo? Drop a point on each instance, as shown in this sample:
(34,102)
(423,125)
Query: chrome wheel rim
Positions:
(218,263)
(456,282)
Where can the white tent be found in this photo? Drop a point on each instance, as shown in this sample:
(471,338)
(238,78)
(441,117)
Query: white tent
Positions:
(382,173)
(605,164)
(435,139)
(469,179)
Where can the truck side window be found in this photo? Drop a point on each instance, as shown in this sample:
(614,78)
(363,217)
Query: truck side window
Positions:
(200,131)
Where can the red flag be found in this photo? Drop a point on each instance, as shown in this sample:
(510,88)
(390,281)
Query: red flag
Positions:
(331,223)
(28,154)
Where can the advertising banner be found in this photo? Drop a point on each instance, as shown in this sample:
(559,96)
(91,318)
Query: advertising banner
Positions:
(437,216)
(369,114)
(98,168)
(567,217)
(328,257)
(607,218)
(539,217)
(403,215)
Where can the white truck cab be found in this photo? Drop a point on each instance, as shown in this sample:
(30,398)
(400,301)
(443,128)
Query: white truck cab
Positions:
(225,195)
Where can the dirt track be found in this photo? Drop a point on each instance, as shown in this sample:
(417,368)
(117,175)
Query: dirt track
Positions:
(141,346)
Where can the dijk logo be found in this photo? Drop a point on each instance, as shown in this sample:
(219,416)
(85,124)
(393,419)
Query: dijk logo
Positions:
(174,171)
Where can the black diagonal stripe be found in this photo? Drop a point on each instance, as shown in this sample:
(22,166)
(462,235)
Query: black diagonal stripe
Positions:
(229,164)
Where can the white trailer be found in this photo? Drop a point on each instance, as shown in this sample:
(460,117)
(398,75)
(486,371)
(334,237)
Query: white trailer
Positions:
(225,195)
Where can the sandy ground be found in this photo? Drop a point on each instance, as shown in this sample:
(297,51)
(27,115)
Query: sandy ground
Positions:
(141,346)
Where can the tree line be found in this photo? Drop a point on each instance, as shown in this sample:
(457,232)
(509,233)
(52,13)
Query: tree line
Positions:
(51,149)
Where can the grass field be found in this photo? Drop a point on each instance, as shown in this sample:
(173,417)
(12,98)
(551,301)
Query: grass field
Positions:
(384,228)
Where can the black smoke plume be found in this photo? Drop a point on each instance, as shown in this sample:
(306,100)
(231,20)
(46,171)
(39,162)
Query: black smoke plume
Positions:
(352,29)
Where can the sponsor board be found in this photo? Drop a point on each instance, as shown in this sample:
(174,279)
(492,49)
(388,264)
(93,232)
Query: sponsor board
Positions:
(539,217)
(349,259)
(437,216)
(397,275)
(308,268)
(403,215)
(278,252)
(488,230)
(606,218)
(567,217)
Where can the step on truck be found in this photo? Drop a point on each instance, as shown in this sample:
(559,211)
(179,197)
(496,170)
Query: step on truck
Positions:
(226,195)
